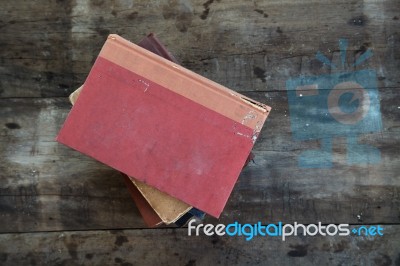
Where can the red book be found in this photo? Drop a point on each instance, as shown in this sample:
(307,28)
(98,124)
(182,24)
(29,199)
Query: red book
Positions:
(163,124)
(155,206)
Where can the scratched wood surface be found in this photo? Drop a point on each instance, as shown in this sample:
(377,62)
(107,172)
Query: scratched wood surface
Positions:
(139,247)
(47,49)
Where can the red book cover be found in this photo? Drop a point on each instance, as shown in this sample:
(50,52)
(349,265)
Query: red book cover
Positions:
(163,124)
(155,206)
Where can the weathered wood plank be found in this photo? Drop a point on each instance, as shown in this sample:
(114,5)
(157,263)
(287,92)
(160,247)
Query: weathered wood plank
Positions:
(47,48)
(175,247)
(31,183)
(46,186)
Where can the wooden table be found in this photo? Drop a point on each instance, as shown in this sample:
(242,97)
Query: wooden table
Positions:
(59,207)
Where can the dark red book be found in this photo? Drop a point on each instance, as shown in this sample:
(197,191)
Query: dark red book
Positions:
(150,217)
(163,124)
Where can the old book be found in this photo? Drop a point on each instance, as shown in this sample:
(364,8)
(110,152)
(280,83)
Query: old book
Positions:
(150,217)
(167,208)
(155,206)
(170,128)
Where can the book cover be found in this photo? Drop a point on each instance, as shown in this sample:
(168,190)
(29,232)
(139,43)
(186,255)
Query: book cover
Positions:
(150,217)
(163,124)
(155,206)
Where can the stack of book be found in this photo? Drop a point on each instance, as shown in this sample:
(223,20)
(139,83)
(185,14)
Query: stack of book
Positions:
(180,139)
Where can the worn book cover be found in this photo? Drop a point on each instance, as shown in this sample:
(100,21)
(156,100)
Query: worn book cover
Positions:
(150,217)
(155,206)
(163,124)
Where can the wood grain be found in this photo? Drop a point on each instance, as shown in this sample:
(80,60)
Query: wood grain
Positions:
(175,247)
(49,48)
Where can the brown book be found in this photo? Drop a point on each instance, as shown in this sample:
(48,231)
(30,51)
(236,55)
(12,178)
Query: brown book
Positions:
(150,217)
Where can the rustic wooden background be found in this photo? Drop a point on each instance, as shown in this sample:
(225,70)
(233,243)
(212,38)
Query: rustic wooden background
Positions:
(59,207)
